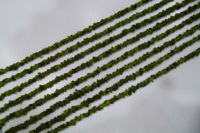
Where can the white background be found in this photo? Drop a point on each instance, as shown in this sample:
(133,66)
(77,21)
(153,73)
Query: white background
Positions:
(170,104)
